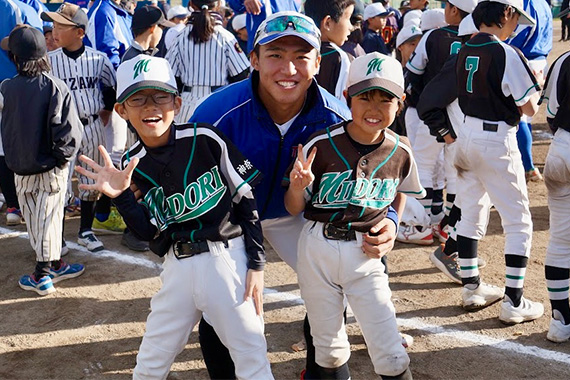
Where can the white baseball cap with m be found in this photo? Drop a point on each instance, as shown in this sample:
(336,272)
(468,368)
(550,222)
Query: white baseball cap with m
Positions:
(144,72)
(375,71)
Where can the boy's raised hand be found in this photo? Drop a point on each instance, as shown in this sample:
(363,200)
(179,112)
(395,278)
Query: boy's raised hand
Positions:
(301,175)
(108,179)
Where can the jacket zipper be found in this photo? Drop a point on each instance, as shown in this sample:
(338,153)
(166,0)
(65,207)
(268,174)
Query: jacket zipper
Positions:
(275,169)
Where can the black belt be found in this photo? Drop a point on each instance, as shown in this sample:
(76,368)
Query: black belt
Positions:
(85,120)
(333,232)
(189,88)
(184,249)
(490,127)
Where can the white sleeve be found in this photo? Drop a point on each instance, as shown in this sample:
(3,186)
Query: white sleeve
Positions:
(419,59)
(411,185)
(518,80)
(108,77)
(343,76)
(550,93)
(236,59)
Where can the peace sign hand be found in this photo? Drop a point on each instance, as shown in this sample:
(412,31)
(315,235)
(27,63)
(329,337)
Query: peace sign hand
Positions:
(108,179)
(301,175)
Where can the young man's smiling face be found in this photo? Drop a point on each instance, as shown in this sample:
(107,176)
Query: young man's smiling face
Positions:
(151,112)
(286,69)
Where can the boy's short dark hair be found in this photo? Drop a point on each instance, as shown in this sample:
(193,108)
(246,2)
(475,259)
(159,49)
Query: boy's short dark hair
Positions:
(319,9)
(489,13)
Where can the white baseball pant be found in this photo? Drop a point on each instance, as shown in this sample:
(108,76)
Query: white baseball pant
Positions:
(557,180)
(329,270)
(490,171)
(413,123)
(116,137)
(93,136)
(42,199)
(212,283)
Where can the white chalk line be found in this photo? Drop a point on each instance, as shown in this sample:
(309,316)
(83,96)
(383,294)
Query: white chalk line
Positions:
(292,299)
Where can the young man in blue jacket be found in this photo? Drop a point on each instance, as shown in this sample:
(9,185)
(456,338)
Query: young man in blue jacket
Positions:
(267,116)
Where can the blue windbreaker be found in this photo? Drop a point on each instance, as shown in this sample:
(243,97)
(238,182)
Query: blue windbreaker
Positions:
(109,30)
(535,41)
(237,111)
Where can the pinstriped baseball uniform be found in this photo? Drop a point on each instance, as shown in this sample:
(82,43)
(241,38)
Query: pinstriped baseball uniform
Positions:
(204,65)
(85,76)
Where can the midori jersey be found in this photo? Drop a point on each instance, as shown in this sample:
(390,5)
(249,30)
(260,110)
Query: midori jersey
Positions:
(355,190)
(196,188)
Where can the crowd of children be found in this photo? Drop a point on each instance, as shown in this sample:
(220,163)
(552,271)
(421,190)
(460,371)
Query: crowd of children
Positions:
(410,104)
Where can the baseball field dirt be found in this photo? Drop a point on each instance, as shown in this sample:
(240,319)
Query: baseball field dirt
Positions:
(92,326)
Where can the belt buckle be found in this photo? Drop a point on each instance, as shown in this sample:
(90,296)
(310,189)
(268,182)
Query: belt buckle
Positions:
(181,253)
(490,127)
(336,233)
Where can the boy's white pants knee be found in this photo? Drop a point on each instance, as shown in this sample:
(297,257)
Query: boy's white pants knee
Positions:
(42,201)
(557,180)
(490,171)
(212,283)
(327,271)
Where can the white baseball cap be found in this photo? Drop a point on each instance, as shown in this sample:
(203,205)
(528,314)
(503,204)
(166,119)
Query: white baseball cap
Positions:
(525,18)
(288,23)
(177,11)
(375,71)
(467,27)
(464,5)
(239,22)
(432,19)
(144,72)
(376,9)
(413,17)
(409,31)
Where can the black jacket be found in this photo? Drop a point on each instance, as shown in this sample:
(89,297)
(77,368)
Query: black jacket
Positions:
(40,124)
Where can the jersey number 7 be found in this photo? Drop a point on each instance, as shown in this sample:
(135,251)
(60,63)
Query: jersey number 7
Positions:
(471,65)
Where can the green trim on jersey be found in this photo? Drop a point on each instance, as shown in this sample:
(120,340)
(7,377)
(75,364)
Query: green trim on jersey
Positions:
(450,30)
(527,91)
(548,106)
(336,149)
(141,172)
(253,175)
(480,45)
(415,68)
(191,158)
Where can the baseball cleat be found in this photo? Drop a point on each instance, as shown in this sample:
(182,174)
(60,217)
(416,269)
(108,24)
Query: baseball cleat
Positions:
(113,225)
(525,312)
(415,235)
(448,265)
(558,332)
(440,232)
(90,241)
(66,271)
(129,240)
(534,176)
(407,340)
(43,286)
(484,295)
(64,249)
(13,216)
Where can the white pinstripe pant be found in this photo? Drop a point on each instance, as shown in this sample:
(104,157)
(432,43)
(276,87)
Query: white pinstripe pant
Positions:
(93,136)
(42,198)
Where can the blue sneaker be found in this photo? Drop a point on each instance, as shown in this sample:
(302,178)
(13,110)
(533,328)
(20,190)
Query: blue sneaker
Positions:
(66,271)
(43,286)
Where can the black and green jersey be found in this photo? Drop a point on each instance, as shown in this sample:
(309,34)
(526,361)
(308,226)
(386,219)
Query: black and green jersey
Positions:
(198,187)
(493,80)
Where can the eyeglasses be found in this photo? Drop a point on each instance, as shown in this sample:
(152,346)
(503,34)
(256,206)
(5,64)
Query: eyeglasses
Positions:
(301,25)
(139,100)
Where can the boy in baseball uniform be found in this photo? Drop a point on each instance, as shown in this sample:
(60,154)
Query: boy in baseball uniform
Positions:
(198,211)
(556,95)
(91,81)
(39,146)
(495,86)
(344,186)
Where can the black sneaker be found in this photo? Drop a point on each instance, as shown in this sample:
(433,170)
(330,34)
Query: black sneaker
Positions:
(129,240)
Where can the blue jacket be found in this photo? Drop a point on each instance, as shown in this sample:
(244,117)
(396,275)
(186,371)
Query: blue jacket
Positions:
(535,42)
(253,21)
(14,12)
(109,30)
(238,112)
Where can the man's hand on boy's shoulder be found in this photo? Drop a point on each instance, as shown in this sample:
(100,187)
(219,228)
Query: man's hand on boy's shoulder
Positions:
(380,241)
